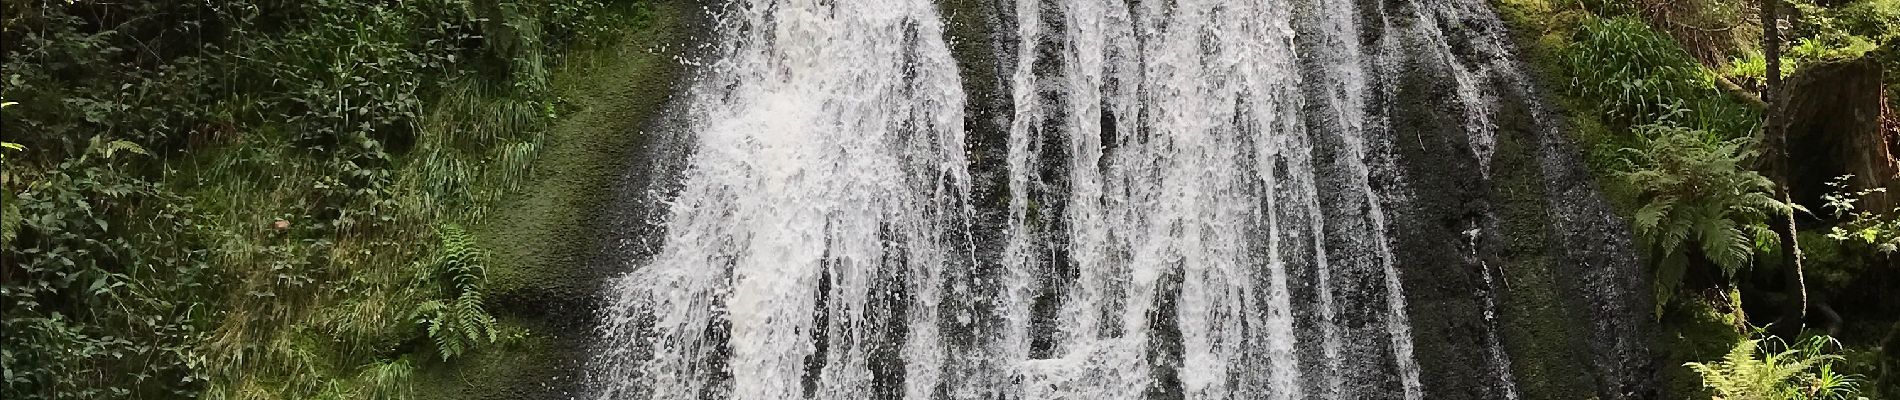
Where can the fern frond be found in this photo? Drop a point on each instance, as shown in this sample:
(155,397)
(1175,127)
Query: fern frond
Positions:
(458,322)
(1765,369)
(1651,215)
(1725,245)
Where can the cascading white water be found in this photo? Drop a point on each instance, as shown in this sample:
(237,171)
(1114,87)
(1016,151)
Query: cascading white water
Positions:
(827,171)
(1191,207)
(1210,177)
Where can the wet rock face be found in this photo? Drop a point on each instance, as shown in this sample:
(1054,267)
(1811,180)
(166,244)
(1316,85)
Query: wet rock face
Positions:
(1521,281)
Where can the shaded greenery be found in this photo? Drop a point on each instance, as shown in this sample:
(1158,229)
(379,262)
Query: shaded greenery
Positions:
(1658,95)
(1875,229)
(86,292)
(542,241)
(224,198)
(1847,31)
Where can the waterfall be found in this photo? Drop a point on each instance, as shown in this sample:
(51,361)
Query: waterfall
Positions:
(819,207)
(1196,207)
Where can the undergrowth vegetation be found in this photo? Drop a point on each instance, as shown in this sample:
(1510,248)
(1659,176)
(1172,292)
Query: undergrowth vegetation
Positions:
(1639,76)
(1665,96)
(236,198)
(1700,204)
(1860,225)
(1768,368)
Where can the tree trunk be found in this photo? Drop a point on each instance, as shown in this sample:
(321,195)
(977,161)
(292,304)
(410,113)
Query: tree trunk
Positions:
(1791,320)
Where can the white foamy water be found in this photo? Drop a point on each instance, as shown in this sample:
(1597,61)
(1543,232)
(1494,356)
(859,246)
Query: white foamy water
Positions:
(1209,177)
(1191,209)
(828,153)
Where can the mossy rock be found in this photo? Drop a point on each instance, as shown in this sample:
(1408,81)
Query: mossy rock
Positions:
(544,241)
(551,244)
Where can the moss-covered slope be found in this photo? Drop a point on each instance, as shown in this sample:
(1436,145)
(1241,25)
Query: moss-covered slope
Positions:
(551,245)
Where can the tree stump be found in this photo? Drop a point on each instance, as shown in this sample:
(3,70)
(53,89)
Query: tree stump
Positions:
(1836,118)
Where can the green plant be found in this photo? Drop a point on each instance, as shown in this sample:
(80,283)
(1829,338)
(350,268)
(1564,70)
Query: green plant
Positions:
(456,320)
(1859,226)
(1765,368)
(1845,31)
(1751,69)
(1699,201)
(91,309)
(1637,75)
(1635,71)
(9,210)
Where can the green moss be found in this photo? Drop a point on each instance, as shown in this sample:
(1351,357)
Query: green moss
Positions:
(551,226)
(1539,332)
(540,237)
(1694,331)
(1544,30)
(498,372)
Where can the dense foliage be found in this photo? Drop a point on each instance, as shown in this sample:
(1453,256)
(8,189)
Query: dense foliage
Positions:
(221,198)
(1767,368)
(1700,202)
(1640,76)
(1665,96)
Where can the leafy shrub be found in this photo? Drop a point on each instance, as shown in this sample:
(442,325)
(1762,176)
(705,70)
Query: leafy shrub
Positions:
(1699,202)
(89,309)
(1765,368)
(1825,33)
(1877,19)
(1845,31)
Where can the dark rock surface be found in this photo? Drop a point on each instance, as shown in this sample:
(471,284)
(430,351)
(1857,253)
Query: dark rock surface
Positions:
(1566,296)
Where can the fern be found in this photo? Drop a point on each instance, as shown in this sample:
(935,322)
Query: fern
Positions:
(456,321)
(1699,201)
(1767,369)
